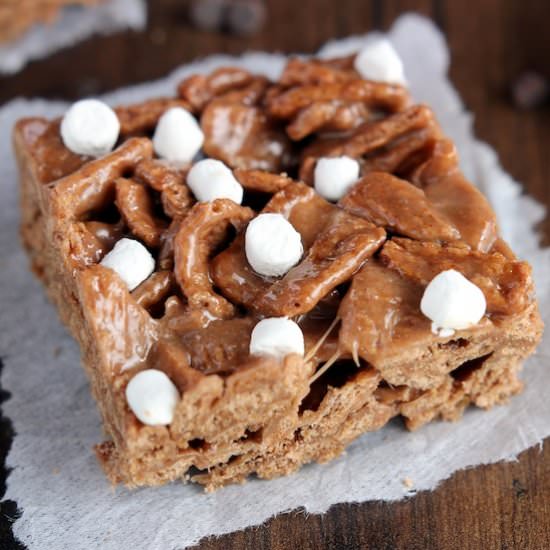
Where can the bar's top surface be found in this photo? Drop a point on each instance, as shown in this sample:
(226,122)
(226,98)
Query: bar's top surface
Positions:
(367,256)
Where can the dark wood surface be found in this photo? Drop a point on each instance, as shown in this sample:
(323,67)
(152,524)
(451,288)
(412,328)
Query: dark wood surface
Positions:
(501,506)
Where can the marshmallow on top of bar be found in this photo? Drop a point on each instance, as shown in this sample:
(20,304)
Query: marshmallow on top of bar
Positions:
(333,176)
(277,337)
(90,127)
(452,303)
(178,136)
(272,245)
(131,261)
(152,397)
(379,61)
(211,179)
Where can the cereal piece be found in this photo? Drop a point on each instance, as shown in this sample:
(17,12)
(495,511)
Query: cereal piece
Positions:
(463,204)
(169,181)
(327,116)
(91,187)
(136,208)
(154,289)
(219,347)
(204,229)
(398,206)
(304,209)
(337,253)
(505,283)
(381,96)
(198,90)
(244,137)
(260,181)
(298,72)
(142,117)
(380,310)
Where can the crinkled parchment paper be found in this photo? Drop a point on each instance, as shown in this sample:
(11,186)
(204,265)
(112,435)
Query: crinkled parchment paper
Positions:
(65,499)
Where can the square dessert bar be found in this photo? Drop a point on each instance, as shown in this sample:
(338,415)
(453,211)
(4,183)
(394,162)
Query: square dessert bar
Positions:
(333,271)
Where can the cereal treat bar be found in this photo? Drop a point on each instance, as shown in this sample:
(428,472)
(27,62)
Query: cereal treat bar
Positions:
(17,16)
(259,272)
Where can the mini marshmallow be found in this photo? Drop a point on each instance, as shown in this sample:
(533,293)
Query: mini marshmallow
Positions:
(278,337)
(379,61)
(90,127)
(272,245)
(333,176)
(178,136)
(152,397)
(131,260)
(452,302)
(211,179)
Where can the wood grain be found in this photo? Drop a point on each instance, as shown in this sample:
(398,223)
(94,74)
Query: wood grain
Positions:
(502,506)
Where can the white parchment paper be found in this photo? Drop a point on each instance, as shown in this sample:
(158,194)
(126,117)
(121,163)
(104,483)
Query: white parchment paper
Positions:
(65,499)
(74,24)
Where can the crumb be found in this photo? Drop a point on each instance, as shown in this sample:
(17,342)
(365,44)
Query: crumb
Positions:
(56,471)
(57,351)
(408,483)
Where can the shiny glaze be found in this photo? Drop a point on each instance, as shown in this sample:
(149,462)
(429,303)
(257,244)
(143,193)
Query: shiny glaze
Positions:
(399,207)
(505,283)
(380,313)
(243,137)
(125,329)
(337,253)
(463,204)
(52,160)
(136,207)
(208,305)
(204,229)
(308,213)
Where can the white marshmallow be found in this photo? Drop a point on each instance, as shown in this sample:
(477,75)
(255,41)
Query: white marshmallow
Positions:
(272,245)
(90,127)
(178,136)
(211,179)
(131,260)
(452,302)
(152,397)
(278,337)
(379,61)
(333,176)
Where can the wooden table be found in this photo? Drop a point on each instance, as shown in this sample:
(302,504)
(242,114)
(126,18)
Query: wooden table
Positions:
(501,506)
